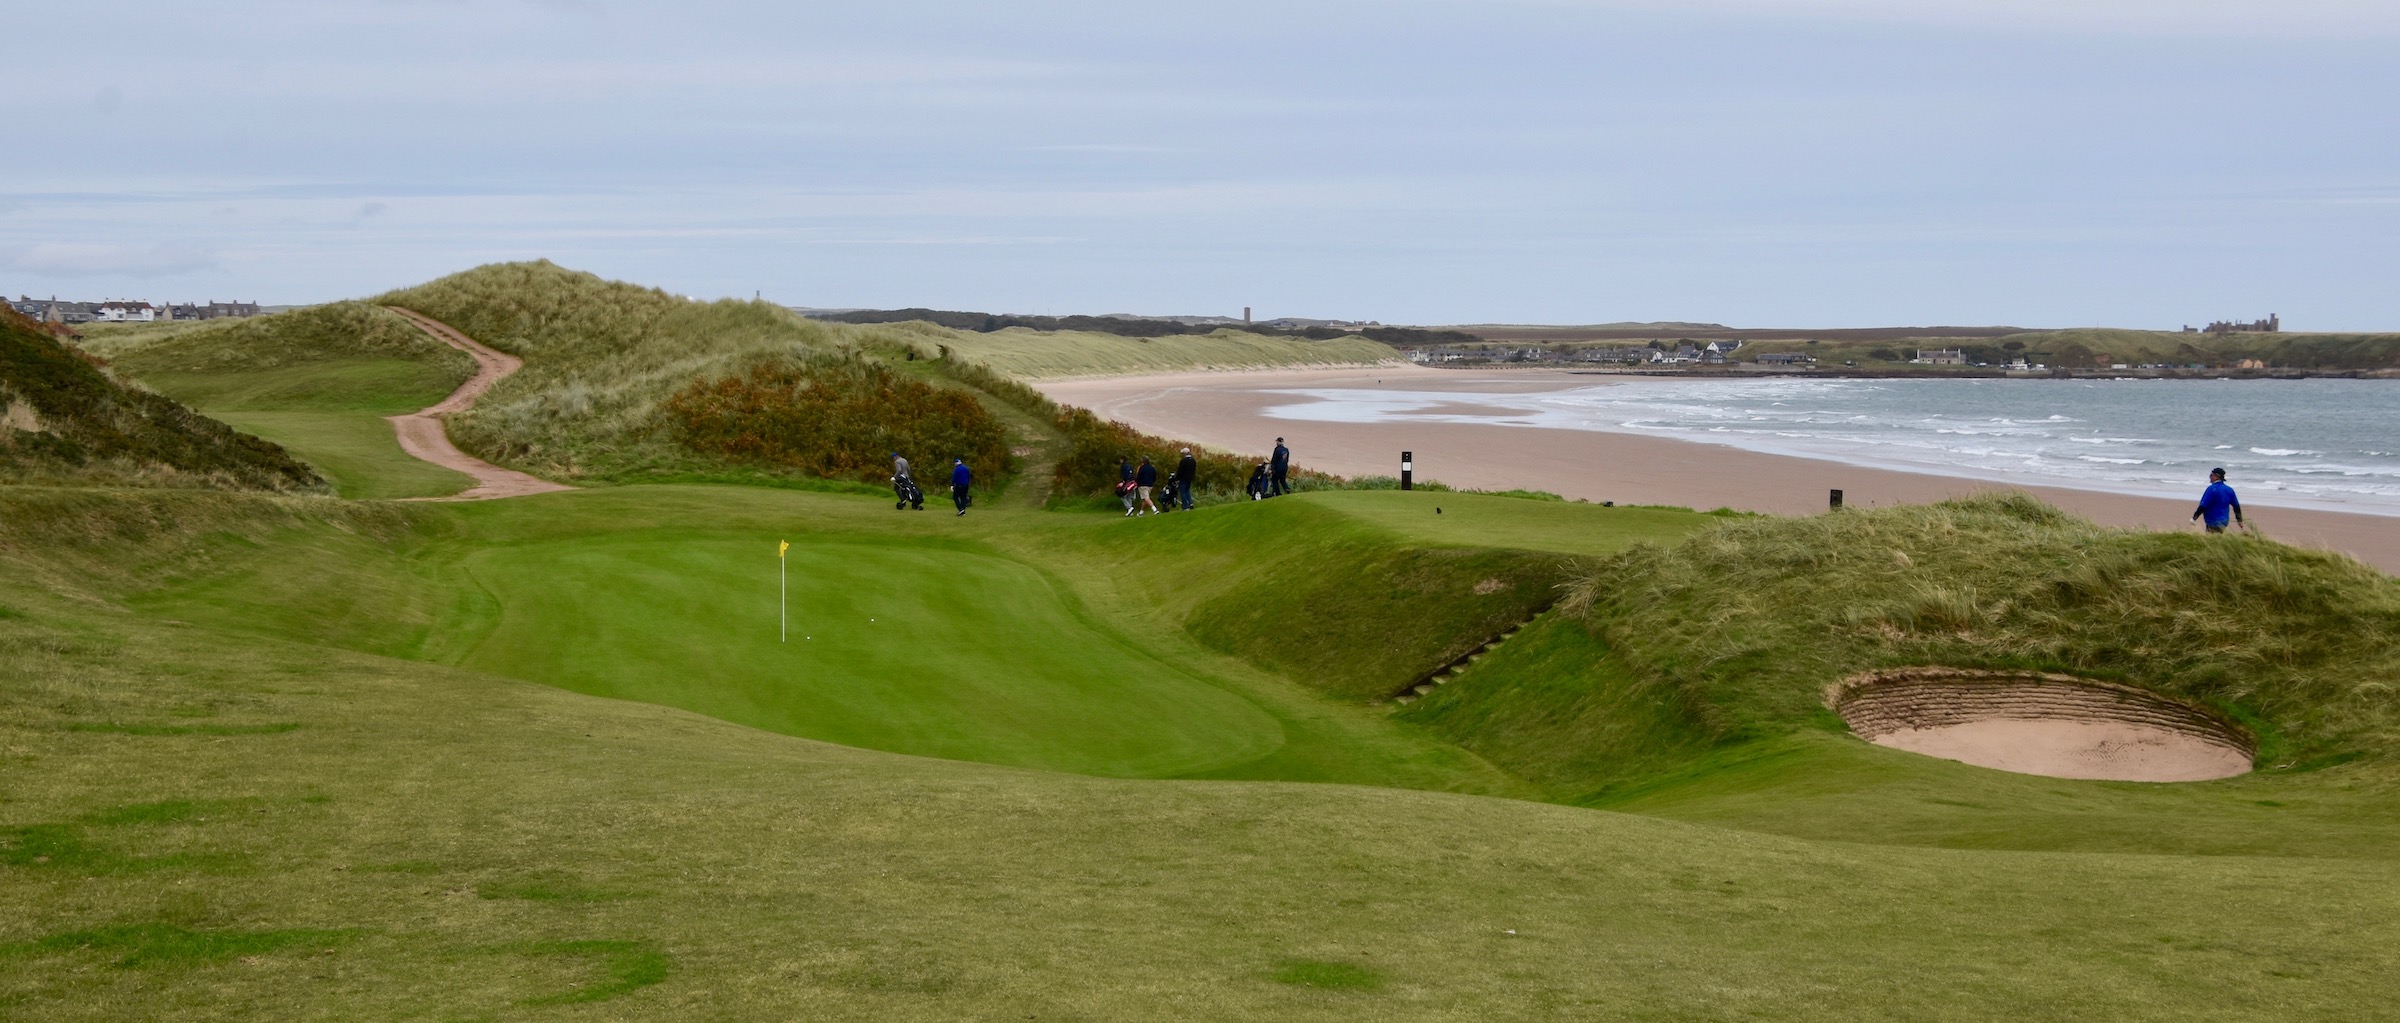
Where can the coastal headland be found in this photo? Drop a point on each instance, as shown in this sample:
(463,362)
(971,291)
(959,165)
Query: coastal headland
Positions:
(1227,410)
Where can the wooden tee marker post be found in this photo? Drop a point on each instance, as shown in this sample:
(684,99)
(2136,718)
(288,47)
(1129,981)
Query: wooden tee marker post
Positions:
(1834,502)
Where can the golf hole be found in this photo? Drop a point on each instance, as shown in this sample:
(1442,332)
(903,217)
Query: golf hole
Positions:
(2057,726)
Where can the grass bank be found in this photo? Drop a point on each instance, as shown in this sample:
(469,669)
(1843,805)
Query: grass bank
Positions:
(202,822)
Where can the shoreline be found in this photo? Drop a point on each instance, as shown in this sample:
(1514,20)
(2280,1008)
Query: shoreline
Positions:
(1223,410)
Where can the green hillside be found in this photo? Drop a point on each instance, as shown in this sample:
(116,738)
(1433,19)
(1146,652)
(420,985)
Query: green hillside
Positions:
(63,419)
(273,755)
(2090,348)
(1037,354)
(318,381)
(240,752)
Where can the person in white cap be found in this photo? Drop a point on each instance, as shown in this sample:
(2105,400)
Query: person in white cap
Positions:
(1185,471)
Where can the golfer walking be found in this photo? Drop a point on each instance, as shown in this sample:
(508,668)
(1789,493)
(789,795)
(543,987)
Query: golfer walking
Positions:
(2218,506)
(1184,471)
(960,480)
(1144,480)
(1277,467)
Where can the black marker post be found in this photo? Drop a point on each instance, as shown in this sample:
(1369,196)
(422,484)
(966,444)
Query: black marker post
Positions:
(1408,469)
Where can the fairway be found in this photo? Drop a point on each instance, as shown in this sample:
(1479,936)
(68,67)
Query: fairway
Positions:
(912,649)
(1484,520)
(353,450)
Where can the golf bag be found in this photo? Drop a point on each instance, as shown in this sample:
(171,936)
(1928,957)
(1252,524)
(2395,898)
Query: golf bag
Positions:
(910,495)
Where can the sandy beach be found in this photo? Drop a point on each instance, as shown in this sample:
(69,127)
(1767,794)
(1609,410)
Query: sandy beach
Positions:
(1225,411)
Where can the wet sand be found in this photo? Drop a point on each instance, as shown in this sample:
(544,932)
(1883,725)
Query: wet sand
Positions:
(1225,411)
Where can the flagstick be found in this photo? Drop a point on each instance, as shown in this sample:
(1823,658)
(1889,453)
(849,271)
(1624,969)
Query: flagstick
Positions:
(783,616)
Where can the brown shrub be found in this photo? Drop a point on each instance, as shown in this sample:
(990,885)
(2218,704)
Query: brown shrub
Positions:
(839,418)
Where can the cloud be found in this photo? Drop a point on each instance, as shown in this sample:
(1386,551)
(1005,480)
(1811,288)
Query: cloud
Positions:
(2269,18)
(62,259)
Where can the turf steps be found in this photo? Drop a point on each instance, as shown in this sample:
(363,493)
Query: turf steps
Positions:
(1445,673)
(1337,604)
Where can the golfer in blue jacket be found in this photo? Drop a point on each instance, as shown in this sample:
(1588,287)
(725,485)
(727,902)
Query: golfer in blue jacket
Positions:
(960,479)
(2218,506)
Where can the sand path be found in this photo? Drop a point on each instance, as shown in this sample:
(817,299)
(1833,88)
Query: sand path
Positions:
(1227,410)
(422,436)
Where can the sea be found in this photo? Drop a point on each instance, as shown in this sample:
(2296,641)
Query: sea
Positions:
(2323,443)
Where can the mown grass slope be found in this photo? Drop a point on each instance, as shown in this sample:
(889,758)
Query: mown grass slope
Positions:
(1330,589)
(911,632)
(201,824)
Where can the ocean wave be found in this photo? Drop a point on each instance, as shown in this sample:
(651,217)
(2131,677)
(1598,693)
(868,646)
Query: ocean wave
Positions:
(2283,452)
(2113,461)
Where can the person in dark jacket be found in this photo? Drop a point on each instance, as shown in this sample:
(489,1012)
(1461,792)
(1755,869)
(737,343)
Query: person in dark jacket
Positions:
(2218,507)
(1144,479)
(1258,482)
(1125,482)
(1276,468)
(904,487)
(960,480)
(1186,470)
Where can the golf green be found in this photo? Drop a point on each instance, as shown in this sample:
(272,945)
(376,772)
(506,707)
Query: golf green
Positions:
(913,649)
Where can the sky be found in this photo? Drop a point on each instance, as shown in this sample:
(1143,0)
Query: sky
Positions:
(2038,163)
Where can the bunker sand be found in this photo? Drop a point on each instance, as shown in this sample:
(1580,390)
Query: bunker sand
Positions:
(422,436)
(1228,411)
(2057,726)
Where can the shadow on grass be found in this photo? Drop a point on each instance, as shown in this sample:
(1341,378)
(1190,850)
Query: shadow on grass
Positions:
(162,945)
(115,728)
(1334,976)
(625,966)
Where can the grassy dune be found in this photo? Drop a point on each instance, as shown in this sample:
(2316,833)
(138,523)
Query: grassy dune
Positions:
(1038,354)
(317,381)
(1689,680)
(64,418)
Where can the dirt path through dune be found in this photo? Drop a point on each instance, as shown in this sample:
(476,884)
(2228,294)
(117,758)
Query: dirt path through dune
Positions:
(422,436)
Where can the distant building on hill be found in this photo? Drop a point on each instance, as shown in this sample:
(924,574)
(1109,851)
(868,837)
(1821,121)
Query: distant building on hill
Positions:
(56,310)
(2273,324)
(1786,359)
(125,312)
(52,310)
(1940,357)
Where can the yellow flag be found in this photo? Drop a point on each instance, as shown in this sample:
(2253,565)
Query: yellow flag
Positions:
(782,546)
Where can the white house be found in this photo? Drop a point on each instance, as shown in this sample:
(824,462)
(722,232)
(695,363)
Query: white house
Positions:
(125,312)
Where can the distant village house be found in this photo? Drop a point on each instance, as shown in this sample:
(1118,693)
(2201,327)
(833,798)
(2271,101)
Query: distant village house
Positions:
(55,310)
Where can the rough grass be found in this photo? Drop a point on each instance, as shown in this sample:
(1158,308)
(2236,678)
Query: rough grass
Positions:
(601,357)
(606,361)
(840,418)
(63,419)
(1747,623)
(1038,354)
